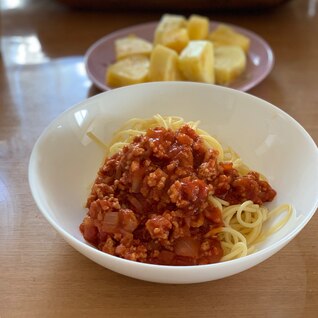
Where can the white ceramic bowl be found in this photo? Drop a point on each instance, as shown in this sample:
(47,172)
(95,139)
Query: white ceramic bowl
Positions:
(64,163)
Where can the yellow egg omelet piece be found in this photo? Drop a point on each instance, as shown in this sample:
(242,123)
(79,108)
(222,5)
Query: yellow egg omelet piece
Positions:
(176,39)
(132,45)
(172,32)
(130,70)
(225,35)
(168,22)
(196,62)
(230,62)
(164,64)
(198,27)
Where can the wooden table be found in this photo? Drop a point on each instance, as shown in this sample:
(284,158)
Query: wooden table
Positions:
(41,74)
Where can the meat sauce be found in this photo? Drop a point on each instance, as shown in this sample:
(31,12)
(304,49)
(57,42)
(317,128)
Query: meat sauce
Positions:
(149,202)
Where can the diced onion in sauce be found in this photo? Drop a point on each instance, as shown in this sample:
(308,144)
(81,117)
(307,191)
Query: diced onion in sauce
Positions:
(187,246)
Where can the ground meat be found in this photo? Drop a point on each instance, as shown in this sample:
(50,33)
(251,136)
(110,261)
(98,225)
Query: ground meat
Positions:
(158,227)
(249,187)
(189,194)
(149,202)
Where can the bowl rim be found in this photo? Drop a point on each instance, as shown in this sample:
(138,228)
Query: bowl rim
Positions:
(86,246)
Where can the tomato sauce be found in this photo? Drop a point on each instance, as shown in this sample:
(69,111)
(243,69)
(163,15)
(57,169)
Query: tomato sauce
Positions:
(149,202)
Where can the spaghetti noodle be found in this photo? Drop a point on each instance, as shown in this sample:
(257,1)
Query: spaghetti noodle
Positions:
(239,221)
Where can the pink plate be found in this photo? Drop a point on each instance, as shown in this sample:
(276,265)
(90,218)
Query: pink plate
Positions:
(102,53)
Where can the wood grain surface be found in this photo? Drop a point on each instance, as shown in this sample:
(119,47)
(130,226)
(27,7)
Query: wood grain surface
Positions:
(42,74)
